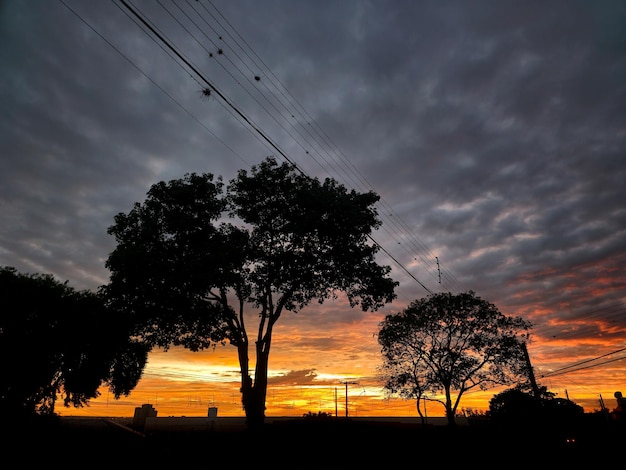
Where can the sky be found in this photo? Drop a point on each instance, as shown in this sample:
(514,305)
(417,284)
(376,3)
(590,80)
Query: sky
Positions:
(494,133)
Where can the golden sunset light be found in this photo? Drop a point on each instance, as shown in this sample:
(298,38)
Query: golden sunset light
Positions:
(308,373)
(176,161)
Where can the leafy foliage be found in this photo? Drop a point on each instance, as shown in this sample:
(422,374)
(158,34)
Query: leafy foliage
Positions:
(449,343)
(59,340)
(516,406)
(195,258)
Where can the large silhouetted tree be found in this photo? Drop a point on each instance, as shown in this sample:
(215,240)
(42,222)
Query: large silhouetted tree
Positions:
(55,340)
(450,344)
(199,264)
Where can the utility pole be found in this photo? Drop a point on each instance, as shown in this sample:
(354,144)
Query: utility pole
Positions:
(346,382)
(531,374)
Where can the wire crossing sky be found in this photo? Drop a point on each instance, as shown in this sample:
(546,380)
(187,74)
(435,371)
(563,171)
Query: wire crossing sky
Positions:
(211,88)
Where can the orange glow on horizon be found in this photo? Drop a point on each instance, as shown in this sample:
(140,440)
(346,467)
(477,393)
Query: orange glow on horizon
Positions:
(316,351)
(187,383)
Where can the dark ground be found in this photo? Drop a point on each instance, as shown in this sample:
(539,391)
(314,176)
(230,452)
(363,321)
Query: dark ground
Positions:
(304,444)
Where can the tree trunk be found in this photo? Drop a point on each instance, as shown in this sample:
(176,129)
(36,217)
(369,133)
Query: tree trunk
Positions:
(419,410)
(253,394)
(450,416)
(450,410)
(254,407)
(247,387)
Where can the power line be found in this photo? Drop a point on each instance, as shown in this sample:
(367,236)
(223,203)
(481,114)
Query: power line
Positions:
(564,370)
(208,83)
(340,156)
(285,94)
(185,110)
(206,91)
(171,51)
(182,58)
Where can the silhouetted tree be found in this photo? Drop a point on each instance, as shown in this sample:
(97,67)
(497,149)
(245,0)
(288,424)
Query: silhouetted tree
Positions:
(513,405)
(518,406)
(450,343)
(56,340)
(196,266)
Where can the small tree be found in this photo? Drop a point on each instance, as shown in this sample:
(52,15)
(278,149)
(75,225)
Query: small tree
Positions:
(59,341)
(191,262)
(450,343)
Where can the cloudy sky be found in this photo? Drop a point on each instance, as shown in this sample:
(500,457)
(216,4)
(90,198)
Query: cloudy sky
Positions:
(494,132)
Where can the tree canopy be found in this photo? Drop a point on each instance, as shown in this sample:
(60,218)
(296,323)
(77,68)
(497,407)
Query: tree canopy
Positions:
(516,406)
(197,263)
(446,344)
(57,340)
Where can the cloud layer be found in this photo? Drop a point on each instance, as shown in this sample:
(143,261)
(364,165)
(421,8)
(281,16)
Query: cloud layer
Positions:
(494,133)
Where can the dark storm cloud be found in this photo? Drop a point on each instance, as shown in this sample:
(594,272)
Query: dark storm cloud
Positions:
(518,152)
(496,132)
(84,136)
